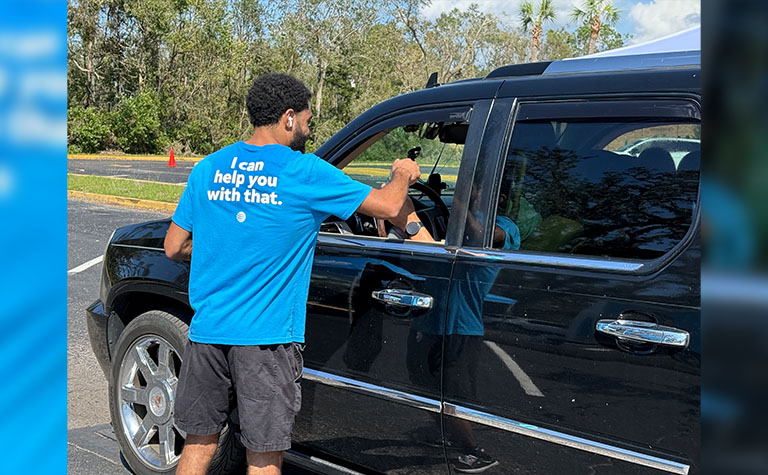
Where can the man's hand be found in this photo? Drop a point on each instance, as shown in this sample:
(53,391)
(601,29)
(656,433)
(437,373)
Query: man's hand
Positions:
(409,167)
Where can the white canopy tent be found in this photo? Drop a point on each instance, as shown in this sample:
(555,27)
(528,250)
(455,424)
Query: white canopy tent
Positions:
(686,40)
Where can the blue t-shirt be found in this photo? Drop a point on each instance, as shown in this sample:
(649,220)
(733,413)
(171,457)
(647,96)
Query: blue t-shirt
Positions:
(254,213)
(468,292)
(465,304)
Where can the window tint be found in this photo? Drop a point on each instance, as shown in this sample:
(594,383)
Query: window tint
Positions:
(617,187)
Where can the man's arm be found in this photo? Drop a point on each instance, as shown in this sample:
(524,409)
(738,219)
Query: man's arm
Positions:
(386,202)
(178,243)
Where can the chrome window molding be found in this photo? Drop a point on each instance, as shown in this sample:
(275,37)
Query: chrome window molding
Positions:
(411,400)
(566,440)
(582,263)
(383,244)
(497,422)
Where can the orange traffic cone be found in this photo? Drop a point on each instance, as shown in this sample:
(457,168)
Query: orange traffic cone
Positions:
(172,160)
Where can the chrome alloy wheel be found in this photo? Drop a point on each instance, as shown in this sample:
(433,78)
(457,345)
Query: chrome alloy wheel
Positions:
(148,379)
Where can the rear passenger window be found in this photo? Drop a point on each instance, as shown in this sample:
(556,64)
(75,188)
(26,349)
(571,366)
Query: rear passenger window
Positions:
(611,179)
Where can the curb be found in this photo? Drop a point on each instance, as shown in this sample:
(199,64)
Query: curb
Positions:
(139,158)
(122,201)
(129,179)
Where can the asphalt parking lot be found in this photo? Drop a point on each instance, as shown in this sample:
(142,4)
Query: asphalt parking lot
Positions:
(138,169)
(91,444)
(92,448)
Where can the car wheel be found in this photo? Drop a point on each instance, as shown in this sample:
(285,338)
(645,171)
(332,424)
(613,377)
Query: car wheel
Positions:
(142,388)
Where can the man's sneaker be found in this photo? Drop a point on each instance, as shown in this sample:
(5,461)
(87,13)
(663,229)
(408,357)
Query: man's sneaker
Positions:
(439,443)
(474,462)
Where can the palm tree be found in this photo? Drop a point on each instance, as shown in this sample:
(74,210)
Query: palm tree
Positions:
(534,21)
(596,13)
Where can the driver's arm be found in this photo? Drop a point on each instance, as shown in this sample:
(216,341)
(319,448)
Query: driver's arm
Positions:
(407,215)
(386,202)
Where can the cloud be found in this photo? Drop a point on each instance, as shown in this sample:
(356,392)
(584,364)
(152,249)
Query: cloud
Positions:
(663,17)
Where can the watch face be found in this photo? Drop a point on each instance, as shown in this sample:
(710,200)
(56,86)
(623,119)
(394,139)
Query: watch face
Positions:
(413,228)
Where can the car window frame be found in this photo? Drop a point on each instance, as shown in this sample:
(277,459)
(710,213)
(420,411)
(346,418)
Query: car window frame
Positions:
(489,201)
(478,113)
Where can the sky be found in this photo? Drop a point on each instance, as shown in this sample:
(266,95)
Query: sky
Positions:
(645,20)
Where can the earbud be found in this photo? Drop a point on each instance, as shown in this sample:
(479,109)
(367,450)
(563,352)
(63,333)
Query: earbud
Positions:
(290,121)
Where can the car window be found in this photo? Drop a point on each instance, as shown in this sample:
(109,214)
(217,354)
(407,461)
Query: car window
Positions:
(618,187)
(372,165)
(435,139)
(677,139)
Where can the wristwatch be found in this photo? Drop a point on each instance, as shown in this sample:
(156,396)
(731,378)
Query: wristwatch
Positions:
(413,228)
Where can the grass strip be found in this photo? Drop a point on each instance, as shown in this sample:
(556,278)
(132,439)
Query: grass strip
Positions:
(379,172)
(143,190)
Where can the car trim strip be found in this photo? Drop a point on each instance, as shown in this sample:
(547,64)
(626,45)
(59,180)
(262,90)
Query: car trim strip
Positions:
(316,464)
(559,261)
(497,422)
(412,400)
(560,438)
(403,246)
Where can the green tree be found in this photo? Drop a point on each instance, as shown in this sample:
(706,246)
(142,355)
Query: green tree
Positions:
(533,20)
(609,39)
(136,124)
(596,14)
(559,44)
(88,130)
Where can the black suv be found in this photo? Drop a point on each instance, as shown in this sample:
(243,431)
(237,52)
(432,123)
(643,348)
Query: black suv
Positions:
(570,348)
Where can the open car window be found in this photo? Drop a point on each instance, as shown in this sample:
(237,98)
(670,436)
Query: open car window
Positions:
(435,139)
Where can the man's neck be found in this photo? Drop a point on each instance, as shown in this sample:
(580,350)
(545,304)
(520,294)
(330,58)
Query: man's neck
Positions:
(265,135)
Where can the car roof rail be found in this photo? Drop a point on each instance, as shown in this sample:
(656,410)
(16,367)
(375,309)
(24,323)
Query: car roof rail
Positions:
(526,69)
(606,63)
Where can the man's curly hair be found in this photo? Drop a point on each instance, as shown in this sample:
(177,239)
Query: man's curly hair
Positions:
(272,94)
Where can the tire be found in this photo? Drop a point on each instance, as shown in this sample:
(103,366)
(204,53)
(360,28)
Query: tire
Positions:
(146,433)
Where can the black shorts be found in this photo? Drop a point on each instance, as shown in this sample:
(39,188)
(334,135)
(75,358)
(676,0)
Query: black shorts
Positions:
(262,381)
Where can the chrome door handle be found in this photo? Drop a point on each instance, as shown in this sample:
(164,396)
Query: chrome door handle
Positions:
(403,297)
(646,332)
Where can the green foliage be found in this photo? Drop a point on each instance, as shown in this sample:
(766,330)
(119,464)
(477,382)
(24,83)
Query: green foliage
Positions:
(609,39)
(559,44)
(147,74)
(87,130)
(136,124)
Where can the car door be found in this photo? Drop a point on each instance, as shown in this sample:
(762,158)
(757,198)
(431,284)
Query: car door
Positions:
(588,354)
(371,386)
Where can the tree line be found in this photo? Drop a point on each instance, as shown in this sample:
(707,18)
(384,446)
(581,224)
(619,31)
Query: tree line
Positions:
(145,76)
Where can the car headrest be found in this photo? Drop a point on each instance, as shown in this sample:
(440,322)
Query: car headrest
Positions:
(656,159)
(533,136)
(690,162)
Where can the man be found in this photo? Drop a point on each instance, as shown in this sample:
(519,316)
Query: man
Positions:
(254,209)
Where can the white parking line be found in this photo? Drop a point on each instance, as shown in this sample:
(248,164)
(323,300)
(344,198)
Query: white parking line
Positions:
(522,378)
(85,266)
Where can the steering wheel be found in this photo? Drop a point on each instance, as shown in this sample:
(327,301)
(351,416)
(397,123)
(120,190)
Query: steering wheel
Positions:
(434,197)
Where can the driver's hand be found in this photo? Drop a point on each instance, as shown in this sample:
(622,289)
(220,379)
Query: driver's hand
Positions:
(406,165)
